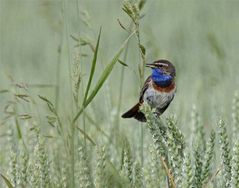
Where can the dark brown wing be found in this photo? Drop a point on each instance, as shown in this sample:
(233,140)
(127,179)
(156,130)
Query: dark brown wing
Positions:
(134,111)
(144,88)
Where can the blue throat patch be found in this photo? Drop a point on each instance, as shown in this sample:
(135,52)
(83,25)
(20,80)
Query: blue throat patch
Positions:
(161,79)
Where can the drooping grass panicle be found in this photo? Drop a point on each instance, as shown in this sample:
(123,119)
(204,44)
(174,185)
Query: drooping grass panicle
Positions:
(53,119)
(76,76)
(132,10)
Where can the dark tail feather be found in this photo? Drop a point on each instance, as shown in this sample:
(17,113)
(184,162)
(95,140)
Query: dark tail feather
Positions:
(134,112)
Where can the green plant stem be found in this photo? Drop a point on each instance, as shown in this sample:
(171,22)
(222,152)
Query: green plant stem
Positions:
(121,87)
(72,132)
(58,70)
(82,84)
(67,41)
(142,68)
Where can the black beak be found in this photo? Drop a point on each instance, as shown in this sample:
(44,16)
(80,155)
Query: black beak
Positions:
(150,65)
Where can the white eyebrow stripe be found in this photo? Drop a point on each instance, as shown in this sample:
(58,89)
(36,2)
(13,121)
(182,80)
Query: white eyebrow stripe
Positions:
(162,64)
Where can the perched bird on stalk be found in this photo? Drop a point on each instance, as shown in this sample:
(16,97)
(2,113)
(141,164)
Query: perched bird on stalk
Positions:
(158,90)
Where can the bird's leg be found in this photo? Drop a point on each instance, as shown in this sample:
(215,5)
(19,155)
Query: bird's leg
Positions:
(157,113)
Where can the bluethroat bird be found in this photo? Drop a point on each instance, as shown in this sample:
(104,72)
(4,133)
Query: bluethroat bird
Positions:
(158,90)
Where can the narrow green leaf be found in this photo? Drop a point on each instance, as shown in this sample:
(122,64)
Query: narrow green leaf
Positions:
(122,63)
(92,68)
(19,132)
(49,136)
(45,99)
(8,183)
(74,38)
(49,104)
(4,91)
(102,79)
(23,97)
(141,4)
(25,116)
(121,25)
(41,85)
(106,73)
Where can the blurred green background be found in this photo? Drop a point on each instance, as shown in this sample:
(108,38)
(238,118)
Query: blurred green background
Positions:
(199,37)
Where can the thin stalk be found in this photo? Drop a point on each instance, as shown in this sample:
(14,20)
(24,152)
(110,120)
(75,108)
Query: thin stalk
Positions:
(68,42)
(121,87)
(142,143)
(72,132)
(84,128)
(82,84)
(170,179)
(58,70)
(122,81)
(141,74)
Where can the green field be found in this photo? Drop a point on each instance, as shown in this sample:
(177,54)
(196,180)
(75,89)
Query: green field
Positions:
(62,95)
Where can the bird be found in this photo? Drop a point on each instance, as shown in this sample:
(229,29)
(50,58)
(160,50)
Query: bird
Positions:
(158,90)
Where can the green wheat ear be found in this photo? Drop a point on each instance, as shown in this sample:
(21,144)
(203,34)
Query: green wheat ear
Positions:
(161,140)
(207,161)
(187,170)
(156,175)
(225,154)
(235,166)
(235,115)
(23,164)
(175,145)
(13,174)
(157,130)
(101,179)
(197,180)
(127,168)
(85,179)
(138,176)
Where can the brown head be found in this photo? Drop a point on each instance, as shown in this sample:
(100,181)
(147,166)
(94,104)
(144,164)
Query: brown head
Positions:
(164,65)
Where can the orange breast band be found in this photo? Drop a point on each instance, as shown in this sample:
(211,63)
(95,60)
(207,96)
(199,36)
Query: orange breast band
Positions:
(164,89)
